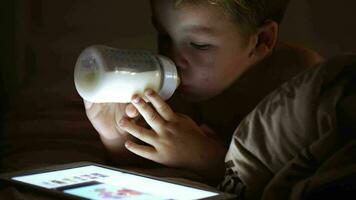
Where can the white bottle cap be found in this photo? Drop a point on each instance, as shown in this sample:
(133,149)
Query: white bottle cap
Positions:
(170,78)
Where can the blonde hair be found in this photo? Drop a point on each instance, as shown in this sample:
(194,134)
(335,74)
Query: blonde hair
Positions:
(248,14)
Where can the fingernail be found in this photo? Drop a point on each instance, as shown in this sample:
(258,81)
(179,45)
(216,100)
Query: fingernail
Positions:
(149,92)
(136,99)
(127,144)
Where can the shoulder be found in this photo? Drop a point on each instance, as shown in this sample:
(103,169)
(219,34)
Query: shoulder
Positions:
(297,54)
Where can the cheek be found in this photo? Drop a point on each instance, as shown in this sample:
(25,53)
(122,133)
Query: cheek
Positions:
(203,69)
(222,71)
(206,76)
(233,64)
(202,62)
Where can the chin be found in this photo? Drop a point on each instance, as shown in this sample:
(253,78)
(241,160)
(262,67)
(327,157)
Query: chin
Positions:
(188,94)
(192,97)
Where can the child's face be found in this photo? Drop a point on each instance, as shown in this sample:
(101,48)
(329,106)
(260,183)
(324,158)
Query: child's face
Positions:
(205,45)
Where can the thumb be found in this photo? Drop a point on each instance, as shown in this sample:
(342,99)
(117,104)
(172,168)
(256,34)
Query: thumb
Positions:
(87,104)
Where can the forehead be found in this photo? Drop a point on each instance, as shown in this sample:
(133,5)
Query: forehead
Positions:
(195,16)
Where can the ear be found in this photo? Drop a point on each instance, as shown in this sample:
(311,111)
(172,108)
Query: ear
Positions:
(265,40)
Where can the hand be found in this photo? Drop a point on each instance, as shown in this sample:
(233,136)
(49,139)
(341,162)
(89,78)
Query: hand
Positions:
(175,140)
(104,117)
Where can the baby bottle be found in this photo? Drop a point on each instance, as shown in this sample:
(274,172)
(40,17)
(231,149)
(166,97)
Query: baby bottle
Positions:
(103,74)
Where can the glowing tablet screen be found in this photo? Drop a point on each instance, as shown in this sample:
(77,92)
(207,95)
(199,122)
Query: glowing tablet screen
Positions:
(99,183)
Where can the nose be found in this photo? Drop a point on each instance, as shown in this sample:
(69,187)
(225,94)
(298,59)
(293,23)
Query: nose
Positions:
(167,47)
(179,57)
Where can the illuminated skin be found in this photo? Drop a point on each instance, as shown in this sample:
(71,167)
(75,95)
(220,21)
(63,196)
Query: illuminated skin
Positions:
(206,46)
(210,54)
(174,140)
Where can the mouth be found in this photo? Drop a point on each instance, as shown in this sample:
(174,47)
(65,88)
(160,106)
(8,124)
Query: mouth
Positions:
(183,88)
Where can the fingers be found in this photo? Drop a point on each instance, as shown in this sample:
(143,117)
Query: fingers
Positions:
(160,105)
(144,151)
(131,111)
(148,113)
(138,132)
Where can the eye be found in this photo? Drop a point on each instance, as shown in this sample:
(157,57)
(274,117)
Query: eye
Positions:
(200,46)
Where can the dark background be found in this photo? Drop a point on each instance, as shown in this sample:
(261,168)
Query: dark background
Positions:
(44,121)
(41,39)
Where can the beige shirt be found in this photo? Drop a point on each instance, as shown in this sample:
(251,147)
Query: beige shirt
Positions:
(295,129)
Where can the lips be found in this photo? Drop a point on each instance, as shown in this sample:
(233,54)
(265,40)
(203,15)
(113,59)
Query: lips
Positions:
(183,87)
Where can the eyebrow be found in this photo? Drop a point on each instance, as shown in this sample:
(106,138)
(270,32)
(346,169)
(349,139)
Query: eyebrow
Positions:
(199,28)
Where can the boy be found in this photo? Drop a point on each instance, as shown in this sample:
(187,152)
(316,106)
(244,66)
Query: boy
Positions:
(228,57)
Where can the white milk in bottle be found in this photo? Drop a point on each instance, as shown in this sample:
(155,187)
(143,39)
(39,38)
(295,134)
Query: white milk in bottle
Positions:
(103,74)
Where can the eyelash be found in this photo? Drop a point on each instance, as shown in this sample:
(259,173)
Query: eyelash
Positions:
(195,45)
(200,46)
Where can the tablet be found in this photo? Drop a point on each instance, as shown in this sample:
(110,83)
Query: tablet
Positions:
(86,180)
